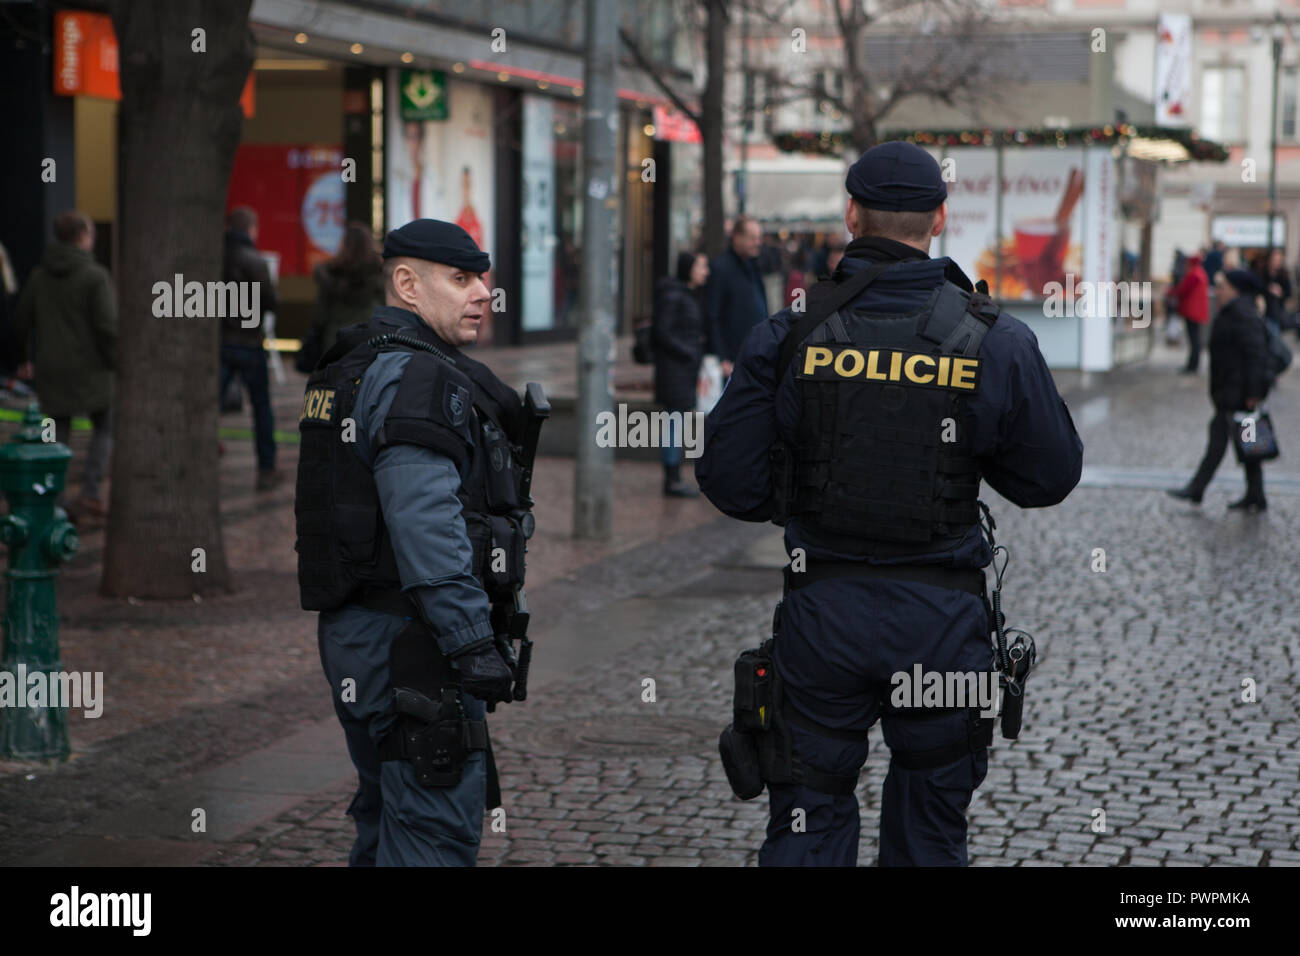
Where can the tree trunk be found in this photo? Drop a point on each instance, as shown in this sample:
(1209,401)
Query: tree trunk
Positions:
(179,125)
(711,129)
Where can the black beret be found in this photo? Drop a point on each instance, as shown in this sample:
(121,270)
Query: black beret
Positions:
(437,241)
(897,177)
(1244,281)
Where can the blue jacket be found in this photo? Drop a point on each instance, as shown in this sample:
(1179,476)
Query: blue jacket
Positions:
(1018,424)
(417,493)
(735,301)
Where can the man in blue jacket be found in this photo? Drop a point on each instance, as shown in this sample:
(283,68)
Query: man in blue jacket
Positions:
(735,299)
(864,425)
(404,505)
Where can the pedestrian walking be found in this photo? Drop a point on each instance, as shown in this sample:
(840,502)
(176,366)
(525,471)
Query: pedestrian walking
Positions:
(834,426)
(242,350)
(735,298)
(412,513)
(1191,300)
(66,321)
(1239,381)
(677,338)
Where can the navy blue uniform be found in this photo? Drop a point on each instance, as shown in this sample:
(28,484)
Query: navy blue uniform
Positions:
(842,638)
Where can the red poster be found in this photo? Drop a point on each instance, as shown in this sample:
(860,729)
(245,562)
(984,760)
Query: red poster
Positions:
(297,193)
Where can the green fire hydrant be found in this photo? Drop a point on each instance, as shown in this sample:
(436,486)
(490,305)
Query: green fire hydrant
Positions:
(39,538)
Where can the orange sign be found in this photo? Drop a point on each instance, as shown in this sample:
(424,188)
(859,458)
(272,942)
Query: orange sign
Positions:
(85,58)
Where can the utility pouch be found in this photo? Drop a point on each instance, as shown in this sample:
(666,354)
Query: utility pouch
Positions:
(754,698)
(739,752)
(503,475)
(504,569)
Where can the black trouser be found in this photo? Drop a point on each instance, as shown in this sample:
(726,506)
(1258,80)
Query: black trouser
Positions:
(1193,344)
(1221,426)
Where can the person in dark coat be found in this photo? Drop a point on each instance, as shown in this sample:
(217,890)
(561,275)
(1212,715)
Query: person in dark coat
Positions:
(242,351)
(349,286)
(1239,379)
(67,316)
(1276,284)
(735,299)
(677,338)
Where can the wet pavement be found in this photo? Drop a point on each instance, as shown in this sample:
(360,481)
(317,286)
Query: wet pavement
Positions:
(1136,709)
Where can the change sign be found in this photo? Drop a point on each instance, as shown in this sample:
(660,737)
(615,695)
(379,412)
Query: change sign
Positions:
(423,95)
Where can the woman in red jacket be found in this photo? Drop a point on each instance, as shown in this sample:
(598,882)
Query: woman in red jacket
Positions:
(1192,300)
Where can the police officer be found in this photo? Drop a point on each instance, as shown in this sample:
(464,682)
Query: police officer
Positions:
(398,513)
(864,424)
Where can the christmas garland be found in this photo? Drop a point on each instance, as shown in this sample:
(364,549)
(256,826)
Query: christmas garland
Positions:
(836,143)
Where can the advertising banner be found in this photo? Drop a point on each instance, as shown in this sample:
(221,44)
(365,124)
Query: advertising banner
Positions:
(1173,83)
(297,193)
(1041,229)
(444,169)
(85,59)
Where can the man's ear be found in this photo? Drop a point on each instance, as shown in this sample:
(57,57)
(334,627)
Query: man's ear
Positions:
(404,281)
(940,220)
(851,218)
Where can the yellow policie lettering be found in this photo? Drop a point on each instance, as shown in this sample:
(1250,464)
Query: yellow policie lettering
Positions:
(890,365)
(910,369)
(318,405)
(818,356)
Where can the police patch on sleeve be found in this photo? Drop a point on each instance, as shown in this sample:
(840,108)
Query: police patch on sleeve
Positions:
(318,405)
(455,403)
(840,363)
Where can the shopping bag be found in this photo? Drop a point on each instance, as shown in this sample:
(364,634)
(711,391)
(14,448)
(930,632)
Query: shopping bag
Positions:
(709,388)
(1253,437)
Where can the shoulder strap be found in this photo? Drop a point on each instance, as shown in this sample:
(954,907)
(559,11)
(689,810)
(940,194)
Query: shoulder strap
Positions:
(844,293)
(958,321)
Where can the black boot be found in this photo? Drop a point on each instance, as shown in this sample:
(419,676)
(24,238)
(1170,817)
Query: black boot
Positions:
(1249,505)
(1185,494)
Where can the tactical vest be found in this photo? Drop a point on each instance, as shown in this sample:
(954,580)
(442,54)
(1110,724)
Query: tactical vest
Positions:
(879,463)
(445,401)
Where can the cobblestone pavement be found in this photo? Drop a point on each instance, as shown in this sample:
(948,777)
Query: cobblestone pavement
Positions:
(1136,717)
(1136,709)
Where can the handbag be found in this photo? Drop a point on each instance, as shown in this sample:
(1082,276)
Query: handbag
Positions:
(1253,437)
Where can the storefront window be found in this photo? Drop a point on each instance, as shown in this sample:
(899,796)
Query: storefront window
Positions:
(552,213)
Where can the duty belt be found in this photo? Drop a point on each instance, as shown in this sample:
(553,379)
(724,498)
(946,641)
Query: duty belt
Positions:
(970,580)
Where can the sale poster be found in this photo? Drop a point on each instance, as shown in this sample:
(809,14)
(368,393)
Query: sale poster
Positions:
(297,193)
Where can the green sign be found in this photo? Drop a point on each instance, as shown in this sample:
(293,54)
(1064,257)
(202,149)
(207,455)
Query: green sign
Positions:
(424,95)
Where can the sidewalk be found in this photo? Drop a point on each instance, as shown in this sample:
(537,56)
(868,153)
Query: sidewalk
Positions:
(1135,708)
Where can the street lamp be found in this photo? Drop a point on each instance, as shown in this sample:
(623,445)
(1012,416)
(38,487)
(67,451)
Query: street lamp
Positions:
(1278,32)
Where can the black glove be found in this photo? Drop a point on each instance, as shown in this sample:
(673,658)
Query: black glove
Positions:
(483,672)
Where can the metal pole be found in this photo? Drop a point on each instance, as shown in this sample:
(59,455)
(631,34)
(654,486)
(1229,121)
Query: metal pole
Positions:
(1272,149)
(593,479)
(742,177)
